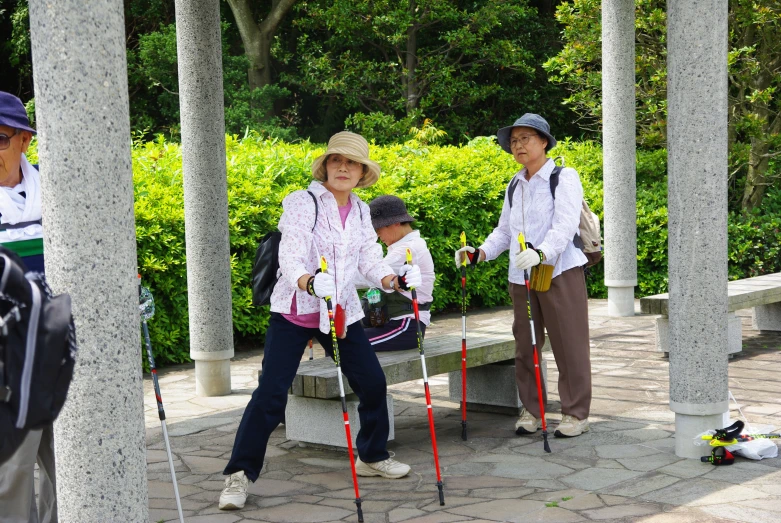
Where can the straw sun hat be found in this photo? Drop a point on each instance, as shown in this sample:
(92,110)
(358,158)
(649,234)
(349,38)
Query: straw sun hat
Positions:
(354,147)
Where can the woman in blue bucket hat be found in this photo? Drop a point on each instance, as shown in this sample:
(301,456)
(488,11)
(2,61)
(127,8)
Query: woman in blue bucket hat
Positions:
(562,309)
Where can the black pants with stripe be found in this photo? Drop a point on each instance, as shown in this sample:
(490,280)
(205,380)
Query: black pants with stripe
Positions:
(395,335)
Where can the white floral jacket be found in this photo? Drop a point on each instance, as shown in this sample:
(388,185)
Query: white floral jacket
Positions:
(348,251)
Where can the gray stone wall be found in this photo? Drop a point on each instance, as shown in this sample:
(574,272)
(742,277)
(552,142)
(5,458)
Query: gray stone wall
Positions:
(697,207)
(618,115)
(205,193)
(81,97)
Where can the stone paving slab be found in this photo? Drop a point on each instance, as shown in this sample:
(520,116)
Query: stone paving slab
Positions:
(623,470)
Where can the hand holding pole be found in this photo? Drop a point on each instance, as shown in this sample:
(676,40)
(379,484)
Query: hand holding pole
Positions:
(335,343)
(522,243)
(415,308)
(463,338)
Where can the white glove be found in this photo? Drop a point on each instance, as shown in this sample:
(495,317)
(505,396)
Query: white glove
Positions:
(411,275)
(527,259)
(461,253)
(324,285)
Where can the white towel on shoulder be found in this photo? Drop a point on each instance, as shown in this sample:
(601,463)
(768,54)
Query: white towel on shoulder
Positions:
(16,208)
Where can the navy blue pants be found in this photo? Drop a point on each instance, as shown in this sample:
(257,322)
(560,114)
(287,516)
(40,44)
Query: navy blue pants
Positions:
(285,345)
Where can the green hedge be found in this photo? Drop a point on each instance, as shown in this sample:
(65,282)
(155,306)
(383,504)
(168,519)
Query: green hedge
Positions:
(449,189)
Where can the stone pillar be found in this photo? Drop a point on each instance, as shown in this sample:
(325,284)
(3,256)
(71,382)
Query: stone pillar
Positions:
(205,193)
(697,208)
(618,136)
(81,100)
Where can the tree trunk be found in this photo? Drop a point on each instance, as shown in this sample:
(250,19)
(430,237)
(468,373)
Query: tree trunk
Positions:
(257,38)
(756,182)
(413,97)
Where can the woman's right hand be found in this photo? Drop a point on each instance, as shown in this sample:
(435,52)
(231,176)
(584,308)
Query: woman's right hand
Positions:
(324,285)
(472,255)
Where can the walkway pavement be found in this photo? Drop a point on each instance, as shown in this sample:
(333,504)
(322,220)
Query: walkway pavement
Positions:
(625,469)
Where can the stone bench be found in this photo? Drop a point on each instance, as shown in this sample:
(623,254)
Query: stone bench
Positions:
(313,412)
(761,293)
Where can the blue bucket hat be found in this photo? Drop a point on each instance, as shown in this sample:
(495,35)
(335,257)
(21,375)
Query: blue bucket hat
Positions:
(13,114)
(534,121)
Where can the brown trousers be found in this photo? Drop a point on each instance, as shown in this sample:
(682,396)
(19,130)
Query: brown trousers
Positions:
(563,310)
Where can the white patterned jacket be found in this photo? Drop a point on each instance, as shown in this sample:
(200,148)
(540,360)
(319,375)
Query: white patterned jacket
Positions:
(348,251)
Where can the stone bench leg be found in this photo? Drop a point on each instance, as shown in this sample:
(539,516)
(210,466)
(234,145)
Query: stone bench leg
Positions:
(320,422)
(490,388)
(767,317)
(734,334)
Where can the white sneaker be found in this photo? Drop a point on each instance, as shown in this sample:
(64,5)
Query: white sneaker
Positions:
(390,468)
(527,423)
(234,495)
(571,426)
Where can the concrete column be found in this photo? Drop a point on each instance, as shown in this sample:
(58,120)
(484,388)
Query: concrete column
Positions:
(618,124)
(697,208)
(205,193)
(81,100)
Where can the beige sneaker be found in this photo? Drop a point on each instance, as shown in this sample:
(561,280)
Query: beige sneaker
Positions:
(571,426)
(390,468)
(527,423)
(234,495)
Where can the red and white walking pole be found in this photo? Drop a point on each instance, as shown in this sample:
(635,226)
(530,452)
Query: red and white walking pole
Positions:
(463,339)
(334,340)
(426,387)
(522,242)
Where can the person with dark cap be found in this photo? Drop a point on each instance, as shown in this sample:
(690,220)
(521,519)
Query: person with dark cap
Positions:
(394,327)
(21,231)
(549,231)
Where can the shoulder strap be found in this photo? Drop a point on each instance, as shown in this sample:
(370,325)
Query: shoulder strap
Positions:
(511,191)
(316,208)
(554,180)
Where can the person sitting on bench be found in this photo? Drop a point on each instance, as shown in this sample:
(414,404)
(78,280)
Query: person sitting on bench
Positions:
(390,323)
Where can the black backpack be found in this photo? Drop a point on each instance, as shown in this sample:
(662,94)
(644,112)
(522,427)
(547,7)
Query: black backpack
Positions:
(264,270)
(37,351)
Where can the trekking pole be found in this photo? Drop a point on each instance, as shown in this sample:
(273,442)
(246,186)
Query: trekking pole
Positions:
(426,387)
(334,341)
(522,242)
(463,340)
(311,351)
(147,308)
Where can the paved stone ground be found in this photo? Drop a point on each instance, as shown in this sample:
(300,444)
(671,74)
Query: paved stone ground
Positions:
(625,469)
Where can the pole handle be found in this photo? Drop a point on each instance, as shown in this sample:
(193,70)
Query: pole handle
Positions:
(521,241)
(463,244)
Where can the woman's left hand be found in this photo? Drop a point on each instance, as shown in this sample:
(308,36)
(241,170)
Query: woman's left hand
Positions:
(410,277)
(526,259)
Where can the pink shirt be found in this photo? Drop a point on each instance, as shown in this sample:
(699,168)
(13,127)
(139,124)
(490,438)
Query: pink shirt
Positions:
(312,321)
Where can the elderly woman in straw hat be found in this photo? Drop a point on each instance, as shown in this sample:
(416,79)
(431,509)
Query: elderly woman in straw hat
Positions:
(328,220)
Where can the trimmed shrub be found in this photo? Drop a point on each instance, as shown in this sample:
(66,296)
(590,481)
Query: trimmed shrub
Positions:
(448,189)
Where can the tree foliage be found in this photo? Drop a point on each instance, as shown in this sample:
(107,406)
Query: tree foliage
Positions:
(754,66)
(468,66)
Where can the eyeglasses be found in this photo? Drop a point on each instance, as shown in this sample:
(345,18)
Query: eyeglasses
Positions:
(522,139)
(5,140)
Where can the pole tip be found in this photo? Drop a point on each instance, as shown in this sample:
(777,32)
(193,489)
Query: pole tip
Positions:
(545,442)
